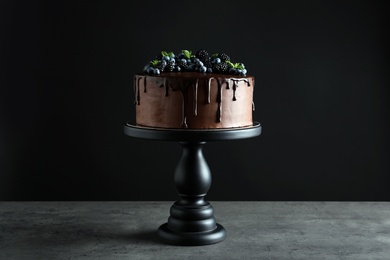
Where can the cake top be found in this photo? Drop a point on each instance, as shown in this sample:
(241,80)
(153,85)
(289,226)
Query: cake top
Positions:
(187,61)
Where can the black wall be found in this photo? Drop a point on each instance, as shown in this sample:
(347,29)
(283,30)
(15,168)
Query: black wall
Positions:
(321,95)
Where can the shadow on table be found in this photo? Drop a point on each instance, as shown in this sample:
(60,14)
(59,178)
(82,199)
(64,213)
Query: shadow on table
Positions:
(66,234)
(145,237)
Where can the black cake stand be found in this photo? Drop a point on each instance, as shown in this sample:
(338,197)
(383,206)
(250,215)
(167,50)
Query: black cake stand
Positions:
(191,220)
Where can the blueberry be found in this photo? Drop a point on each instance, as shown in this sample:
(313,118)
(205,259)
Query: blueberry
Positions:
(184,61)
(244,71)
(157,71)
(202,69)
(217,60)
(177,68)
(166,58)
(199,63)
(232,71)
(150,70)
(164,62)
(209,70)
(146,68)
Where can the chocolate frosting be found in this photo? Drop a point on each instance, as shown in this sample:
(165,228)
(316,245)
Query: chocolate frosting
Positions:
(199,92)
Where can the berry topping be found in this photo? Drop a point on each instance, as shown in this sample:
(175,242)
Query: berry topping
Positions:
(224,57)
(170,66)
(202,55)
(221,67)
(187,61)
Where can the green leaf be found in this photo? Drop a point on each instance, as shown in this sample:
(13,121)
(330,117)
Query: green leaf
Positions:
(230,64)
(215,55)
(187,54)
(154,62)
(239,66)
(170,54)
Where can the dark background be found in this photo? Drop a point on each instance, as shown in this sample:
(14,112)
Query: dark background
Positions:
(321,95)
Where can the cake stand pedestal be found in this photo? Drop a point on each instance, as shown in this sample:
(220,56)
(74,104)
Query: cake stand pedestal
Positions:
(191,220)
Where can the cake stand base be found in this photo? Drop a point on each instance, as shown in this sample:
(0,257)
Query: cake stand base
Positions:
(191,238)
(191,221)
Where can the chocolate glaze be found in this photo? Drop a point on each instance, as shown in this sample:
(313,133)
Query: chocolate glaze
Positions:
(156,109)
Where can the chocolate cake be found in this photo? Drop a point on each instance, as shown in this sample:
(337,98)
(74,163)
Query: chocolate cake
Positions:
(193,92)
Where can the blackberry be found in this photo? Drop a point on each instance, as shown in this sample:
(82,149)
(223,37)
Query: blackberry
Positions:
(183,64)
(202,55)
(208,63)
(224,57)
(170,66)
(216,67)
(161,66)
(221,67)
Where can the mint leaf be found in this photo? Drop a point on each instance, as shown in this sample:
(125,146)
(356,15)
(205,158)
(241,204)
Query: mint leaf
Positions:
(154,62)
(230,64)
(170,54)
(187,54)
(164,53)
(239,66)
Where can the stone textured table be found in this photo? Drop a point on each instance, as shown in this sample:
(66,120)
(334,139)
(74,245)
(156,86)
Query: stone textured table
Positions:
(255,230)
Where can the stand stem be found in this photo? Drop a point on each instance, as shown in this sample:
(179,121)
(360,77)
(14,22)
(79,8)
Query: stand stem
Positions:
(192,176)
(191,220)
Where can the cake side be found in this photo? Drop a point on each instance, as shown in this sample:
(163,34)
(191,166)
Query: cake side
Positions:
(193,100)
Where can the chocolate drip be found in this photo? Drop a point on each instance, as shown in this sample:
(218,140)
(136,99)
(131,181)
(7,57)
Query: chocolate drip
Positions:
(208,81)
(234,90)
(184,108)
(138,99)
(235,85)
(219,100)
(144,84)
(183,85)
(195,99)
(227,85)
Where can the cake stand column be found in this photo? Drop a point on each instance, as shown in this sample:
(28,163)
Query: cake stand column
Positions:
(191,220)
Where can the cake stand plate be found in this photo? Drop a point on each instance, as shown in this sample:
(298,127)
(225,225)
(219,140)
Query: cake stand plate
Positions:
(191,220)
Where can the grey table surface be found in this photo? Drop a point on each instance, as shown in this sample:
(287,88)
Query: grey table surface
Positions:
(255,230)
